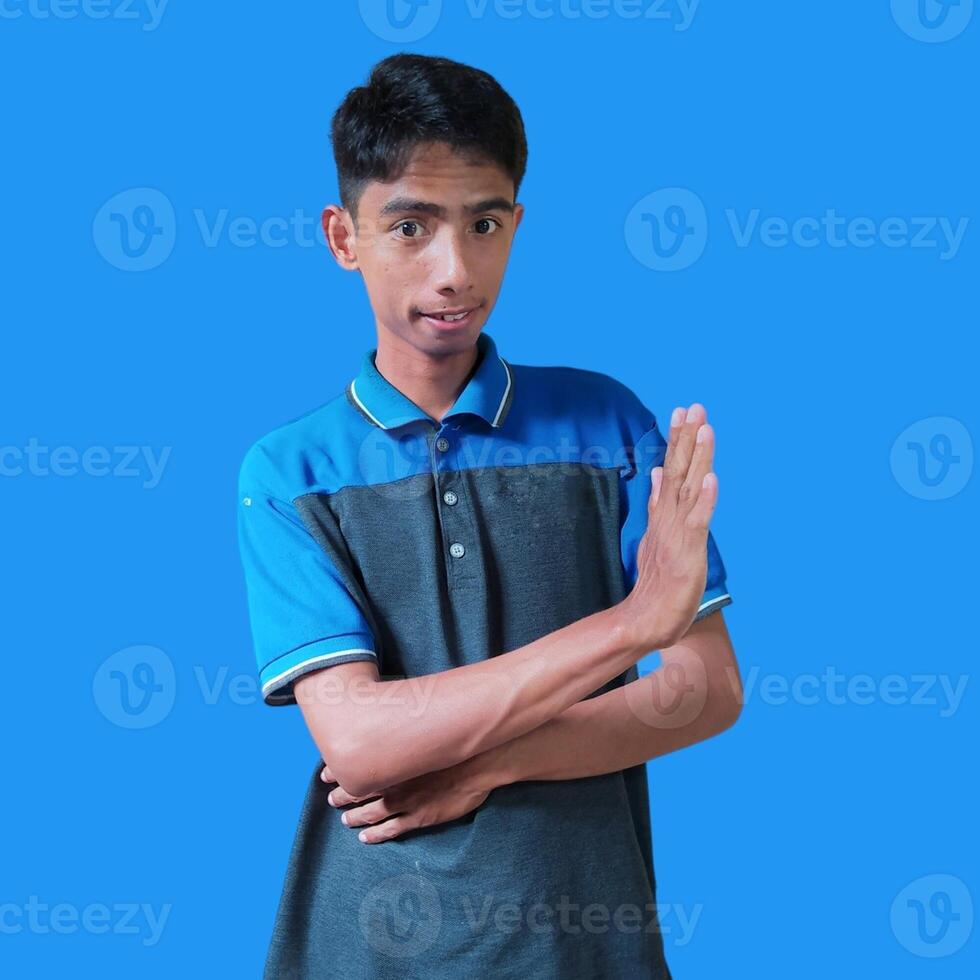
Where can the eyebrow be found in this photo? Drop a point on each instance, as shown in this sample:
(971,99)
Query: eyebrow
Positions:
(405,205)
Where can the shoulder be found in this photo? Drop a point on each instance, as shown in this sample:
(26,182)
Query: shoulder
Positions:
(293,456)
(582,392)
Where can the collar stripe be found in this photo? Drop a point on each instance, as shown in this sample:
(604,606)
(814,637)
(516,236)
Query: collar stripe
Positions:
(503,401)
(364,407)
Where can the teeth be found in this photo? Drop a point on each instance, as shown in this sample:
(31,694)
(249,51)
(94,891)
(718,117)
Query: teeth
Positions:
(457,316)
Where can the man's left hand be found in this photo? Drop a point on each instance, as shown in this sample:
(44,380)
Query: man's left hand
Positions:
(432,798)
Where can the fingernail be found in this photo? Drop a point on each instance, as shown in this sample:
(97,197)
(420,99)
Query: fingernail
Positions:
(343,818)
(362,836)
(701,434)
(678,417)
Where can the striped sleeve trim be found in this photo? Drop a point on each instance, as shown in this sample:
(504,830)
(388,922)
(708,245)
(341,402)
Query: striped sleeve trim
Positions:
(277,678)
(713,600)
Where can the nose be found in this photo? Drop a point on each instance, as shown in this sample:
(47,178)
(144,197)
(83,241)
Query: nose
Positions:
(451,270)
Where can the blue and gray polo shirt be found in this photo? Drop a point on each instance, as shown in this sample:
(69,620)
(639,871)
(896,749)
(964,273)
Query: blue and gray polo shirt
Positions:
(371,531)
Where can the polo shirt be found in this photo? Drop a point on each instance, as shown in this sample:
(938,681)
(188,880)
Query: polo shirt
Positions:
(371,531)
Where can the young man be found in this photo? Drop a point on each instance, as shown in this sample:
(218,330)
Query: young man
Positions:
(453,567)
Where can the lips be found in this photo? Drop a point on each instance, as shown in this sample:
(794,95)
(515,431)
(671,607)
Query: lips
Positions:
(450,315)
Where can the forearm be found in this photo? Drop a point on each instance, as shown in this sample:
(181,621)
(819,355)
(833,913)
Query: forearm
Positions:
(694,694)
(445,718)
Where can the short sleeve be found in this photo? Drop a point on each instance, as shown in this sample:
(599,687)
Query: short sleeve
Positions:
(303,613)
(649,452)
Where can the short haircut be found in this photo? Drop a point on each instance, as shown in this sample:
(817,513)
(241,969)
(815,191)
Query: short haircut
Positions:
(412,99)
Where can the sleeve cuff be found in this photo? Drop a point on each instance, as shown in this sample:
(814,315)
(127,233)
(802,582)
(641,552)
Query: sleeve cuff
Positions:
(713,600)
(278,676)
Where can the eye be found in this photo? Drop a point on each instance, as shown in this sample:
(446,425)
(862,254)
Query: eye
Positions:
(415,227)
(490,222)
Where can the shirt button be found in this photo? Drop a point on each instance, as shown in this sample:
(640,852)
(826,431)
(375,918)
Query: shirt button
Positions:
(450,497)
(442,444)
(457,550)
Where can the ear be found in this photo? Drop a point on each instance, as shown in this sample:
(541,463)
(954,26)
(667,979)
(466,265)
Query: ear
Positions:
(338,230)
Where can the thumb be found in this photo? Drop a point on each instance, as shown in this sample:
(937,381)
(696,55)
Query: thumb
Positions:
(657,479)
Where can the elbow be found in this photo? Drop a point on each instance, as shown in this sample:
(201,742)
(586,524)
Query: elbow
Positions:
(729,712)
(726,697)
(356,767)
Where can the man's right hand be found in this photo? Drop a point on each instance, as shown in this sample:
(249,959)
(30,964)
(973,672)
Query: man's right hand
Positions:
(671,560)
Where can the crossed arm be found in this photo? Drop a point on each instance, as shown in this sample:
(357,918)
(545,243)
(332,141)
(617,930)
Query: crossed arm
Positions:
(694,694)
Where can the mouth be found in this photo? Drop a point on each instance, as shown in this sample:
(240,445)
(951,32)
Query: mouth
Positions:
(455,317)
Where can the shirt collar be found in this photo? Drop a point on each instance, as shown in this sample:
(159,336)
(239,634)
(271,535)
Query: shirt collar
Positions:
(488,393)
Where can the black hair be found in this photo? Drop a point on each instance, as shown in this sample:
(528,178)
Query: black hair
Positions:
(411,99)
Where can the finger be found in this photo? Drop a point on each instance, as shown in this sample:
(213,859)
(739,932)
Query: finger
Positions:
(680,449)
(700,465)
(370,813)
(340,797)
(700,515)
(385,831)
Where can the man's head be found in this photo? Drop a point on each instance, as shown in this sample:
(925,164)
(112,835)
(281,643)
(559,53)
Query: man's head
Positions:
(430,154)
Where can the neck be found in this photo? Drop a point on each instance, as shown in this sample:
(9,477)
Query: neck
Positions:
(432,381)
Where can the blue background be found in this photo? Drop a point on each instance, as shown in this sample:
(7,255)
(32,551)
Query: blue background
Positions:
(791,835)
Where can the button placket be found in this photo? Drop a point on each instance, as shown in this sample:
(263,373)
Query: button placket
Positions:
(446,501)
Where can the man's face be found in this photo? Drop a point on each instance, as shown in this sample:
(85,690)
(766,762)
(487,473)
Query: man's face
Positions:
(434,241)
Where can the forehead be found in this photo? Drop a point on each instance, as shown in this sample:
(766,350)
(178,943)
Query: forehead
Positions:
(443,176)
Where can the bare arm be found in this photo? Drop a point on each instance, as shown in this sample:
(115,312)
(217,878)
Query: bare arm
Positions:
(694,694)
(443,719)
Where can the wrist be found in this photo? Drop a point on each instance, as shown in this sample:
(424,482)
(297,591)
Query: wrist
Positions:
(625,629)
(494,767)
